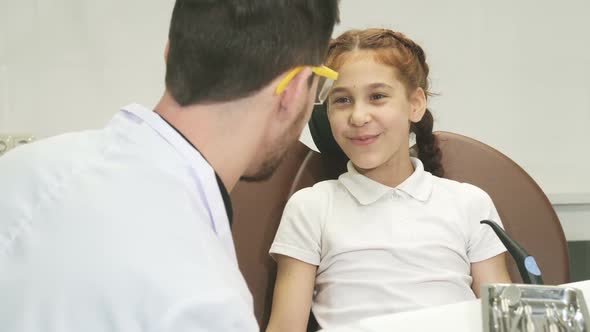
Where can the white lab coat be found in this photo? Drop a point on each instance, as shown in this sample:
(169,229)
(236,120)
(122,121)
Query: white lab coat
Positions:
(119,229)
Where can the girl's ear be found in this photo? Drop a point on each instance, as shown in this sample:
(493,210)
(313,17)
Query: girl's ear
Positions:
(418,103)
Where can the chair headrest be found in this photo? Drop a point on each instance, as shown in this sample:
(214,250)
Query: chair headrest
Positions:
(319,126)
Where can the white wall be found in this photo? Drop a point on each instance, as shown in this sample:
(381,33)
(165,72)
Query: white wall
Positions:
(71,64)
(513,74)
(575,219)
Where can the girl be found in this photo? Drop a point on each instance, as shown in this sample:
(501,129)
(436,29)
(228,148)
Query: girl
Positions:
(389,235)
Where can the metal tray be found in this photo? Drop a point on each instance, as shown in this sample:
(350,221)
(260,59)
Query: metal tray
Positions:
(533,308)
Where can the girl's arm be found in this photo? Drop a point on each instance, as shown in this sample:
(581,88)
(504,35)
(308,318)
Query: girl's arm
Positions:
(292,295)
(491,270)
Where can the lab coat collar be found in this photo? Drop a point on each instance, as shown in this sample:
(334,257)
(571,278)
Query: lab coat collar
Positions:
(215,194)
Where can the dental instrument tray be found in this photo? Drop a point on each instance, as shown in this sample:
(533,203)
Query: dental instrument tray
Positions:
(533,308)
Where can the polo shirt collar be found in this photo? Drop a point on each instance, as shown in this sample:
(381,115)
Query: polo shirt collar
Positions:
(367,191)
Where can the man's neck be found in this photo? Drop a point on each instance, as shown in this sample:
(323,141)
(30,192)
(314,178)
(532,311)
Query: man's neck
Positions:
(227,138)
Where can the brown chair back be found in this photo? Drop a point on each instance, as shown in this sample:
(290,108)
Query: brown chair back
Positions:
(526,212)
(257,212)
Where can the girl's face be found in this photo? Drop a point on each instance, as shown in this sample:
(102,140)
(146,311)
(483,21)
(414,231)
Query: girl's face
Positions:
(370,111)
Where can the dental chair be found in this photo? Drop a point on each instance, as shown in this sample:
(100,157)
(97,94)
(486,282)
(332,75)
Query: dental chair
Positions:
(526,213)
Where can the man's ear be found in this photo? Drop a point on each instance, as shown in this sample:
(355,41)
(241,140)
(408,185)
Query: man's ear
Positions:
(418,103)
(166,50)
(297,91)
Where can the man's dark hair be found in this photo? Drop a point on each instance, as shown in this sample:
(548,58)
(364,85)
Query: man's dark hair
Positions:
(222,50)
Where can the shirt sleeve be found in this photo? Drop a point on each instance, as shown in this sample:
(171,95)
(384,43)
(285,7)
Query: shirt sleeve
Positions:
(482,242)
(204,315)
(299,233)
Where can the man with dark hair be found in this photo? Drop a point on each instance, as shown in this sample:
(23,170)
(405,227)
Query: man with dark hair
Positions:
(128,228)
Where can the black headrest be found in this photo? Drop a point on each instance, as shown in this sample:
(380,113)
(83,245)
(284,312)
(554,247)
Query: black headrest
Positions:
(322,133)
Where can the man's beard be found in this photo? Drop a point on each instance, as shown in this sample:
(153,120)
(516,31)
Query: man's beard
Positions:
(267,169)
(276,157)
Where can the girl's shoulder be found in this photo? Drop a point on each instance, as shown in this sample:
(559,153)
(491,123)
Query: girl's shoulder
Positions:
(460,191)
(317,194)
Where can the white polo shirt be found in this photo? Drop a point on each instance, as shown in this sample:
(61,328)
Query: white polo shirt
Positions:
(118,229)
(381,250)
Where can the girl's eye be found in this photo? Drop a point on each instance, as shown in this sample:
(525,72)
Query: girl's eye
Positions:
(342,100)
(377,96)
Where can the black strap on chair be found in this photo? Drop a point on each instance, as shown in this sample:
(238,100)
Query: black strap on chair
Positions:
(333,158)
(321,131)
